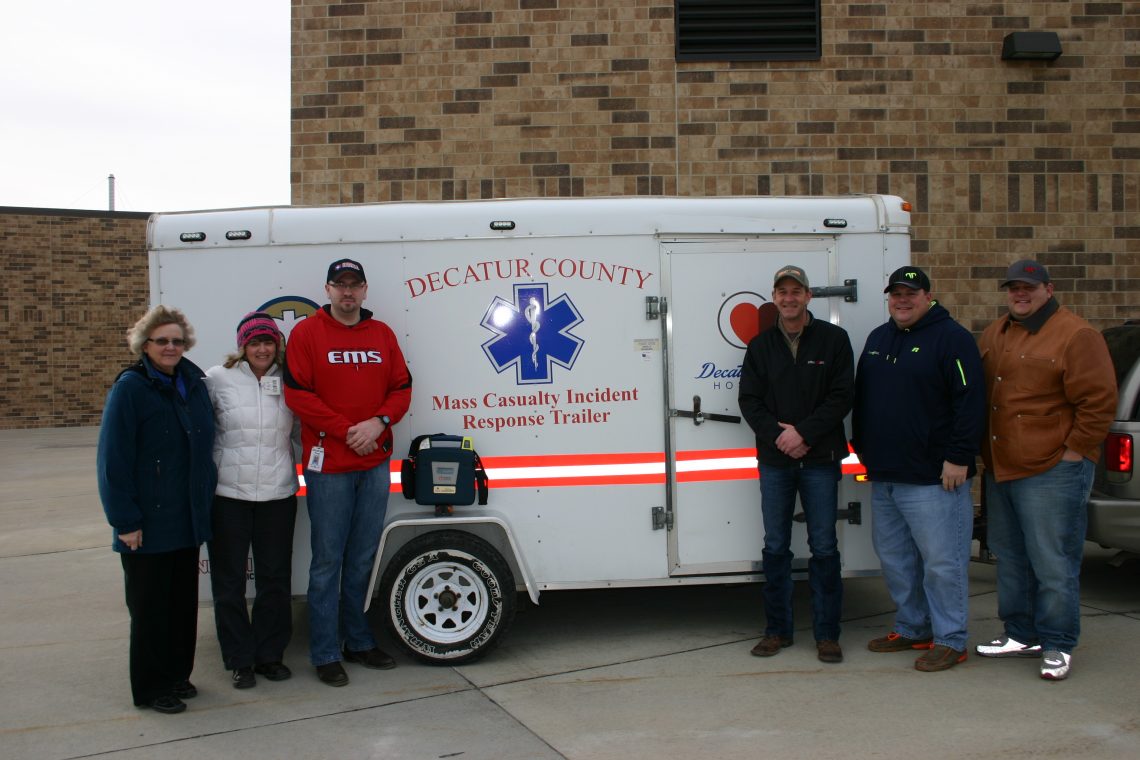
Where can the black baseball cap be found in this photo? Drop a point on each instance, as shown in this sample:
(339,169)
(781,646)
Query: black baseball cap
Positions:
(339,267)
(1026,270)
(911,277)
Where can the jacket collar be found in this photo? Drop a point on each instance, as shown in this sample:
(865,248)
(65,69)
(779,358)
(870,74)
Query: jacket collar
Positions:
(936,313)
(365,315)
(808,320)
(186,369)
(1034,322)
(243,367)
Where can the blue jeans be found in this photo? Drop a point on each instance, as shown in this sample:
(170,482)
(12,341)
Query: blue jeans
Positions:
(818,487)
(922,535)
(1036,527)
(346,510)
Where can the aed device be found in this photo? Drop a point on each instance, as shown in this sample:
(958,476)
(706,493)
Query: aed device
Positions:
(443,470)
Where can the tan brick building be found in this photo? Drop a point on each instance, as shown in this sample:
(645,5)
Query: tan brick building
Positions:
(451,99)
(73,282)
(1002,159)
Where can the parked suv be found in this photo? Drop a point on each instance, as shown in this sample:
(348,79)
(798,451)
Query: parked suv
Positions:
(1114,507)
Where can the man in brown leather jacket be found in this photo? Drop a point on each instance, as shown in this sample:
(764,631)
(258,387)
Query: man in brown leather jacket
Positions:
(1051,393)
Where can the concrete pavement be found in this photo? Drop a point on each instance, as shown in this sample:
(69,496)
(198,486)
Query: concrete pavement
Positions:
(657,673)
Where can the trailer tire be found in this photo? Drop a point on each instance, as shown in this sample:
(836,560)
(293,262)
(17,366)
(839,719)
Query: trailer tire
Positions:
(450,597)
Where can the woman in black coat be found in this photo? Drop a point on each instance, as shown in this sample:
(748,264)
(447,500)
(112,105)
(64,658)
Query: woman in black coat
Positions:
(156,481)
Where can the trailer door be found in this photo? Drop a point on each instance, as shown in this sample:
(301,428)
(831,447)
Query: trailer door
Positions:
(719,297)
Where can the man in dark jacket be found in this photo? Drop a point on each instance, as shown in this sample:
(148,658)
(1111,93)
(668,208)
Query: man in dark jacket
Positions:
(795,389)
(917,424)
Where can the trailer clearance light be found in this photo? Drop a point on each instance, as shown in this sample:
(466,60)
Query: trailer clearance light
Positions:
(1118,453)
(192,237)
(239,235)
(502,225)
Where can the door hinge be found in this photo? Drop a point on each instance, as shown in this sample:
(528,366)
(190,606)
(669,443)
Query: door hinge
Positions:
(652,307)
(849,290)
(662,519)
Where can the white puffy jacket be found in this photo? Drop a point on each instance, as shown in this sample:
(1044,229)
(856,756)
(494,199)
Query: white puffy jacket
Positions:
(253,448)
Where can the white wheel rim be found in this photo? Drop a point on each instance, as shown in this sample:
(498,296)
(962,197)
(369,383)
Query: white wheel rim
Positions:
(446,602)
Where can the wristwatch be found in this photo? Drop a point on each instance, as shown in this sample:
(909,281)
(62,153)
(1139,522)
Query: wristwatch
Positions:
(386,420)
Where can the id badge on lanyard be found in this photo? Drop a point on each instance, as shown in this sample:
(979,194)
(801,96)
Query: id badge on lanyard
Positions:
(317,455)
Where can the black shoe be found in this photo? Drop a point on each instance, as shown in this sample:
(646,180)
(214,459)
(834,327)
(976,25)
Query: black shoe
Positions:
(184,690)
(274,671)
(244,678)
(332,673)
(374,658)
(168,704)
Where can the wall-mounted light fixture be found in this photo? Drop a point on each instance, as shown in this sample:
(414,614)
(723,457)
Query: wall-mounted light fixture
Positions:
(1031,46)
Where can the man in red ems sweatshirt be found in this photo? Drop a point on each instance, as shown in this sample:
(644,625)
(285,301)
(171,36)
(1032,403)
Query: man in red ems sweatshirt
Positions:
(347,382)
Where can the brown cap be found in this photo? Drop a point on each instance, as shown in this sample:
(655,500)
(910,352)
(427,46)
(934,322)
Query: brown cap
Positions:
(790,270)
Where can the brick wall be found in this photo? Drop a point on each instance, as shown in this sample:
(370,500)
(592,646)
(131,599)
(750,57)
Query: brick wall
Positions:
(73,282)
(450,99)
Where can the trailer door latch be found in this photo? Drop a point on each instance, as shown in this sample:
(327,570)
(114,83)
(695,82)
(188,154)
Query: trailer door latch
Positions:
(699,417)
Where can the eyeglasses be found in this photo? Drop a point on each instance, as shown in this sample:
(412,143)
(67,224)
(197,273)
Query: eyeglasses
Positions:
(347,286)
(164,342)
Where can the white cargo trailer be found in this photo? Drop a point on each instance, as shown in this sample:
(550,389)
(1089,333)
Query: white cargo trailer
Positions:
(591,348)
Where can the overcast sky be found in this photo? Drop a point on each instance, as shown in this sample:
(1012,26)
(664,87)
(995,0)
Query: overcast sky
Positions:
(186,103)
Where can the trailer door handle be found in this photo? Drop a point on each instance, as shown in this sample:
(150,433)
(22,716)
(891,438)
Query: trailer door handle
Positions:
(699,417)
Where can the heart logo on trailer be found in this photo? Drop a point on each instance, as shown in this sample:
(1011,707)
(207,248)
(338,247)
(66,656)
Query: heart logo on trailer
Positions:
(743,316)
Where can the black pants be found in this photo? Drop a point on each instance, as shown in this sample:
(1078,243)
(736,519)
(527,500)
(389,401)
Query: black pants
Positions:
(162,597)
(267,526)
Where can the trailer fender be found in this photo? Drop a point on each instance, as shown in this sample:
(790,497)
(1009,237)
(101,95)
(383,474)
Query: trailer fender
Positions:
(489,525)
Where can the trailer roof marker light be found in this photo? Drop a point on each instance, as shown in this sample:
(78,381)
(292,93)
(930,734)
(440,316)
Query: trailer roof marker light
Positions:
(834,222)
(502,225)
(192,237)
(905,206)
(239,235)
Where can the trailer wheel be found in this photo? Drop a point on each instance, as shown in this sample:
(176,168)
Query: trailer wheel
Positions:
(451,597)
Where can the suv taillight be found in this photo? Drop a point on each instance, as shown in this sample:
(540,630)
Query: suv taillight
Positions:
(1118,453)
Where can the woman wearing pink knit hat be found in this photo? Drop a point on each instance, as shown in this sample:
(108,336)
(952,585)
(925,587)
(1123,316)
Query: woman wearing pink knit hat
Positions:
(255,504)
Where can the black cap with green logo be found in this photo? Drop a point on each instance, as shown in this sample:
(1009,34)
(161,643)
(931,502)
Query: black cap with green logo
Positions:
(910,277)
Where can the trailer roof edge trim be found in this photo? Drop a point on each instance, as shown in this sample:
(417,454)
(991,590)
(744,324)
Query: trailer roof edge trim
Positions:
(536,217)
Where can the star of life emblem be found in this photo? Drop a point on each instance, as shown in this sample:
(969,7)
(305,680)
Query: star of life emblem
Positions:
(532,334)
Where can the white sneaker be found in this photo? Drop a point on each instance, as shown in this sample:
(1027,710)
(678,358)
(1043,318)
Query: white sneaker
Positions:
(1004,646)
(1055,665)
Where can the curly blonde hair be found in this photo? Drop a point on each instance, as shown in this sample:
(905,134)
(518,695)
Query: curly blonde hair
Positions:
(157,317)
